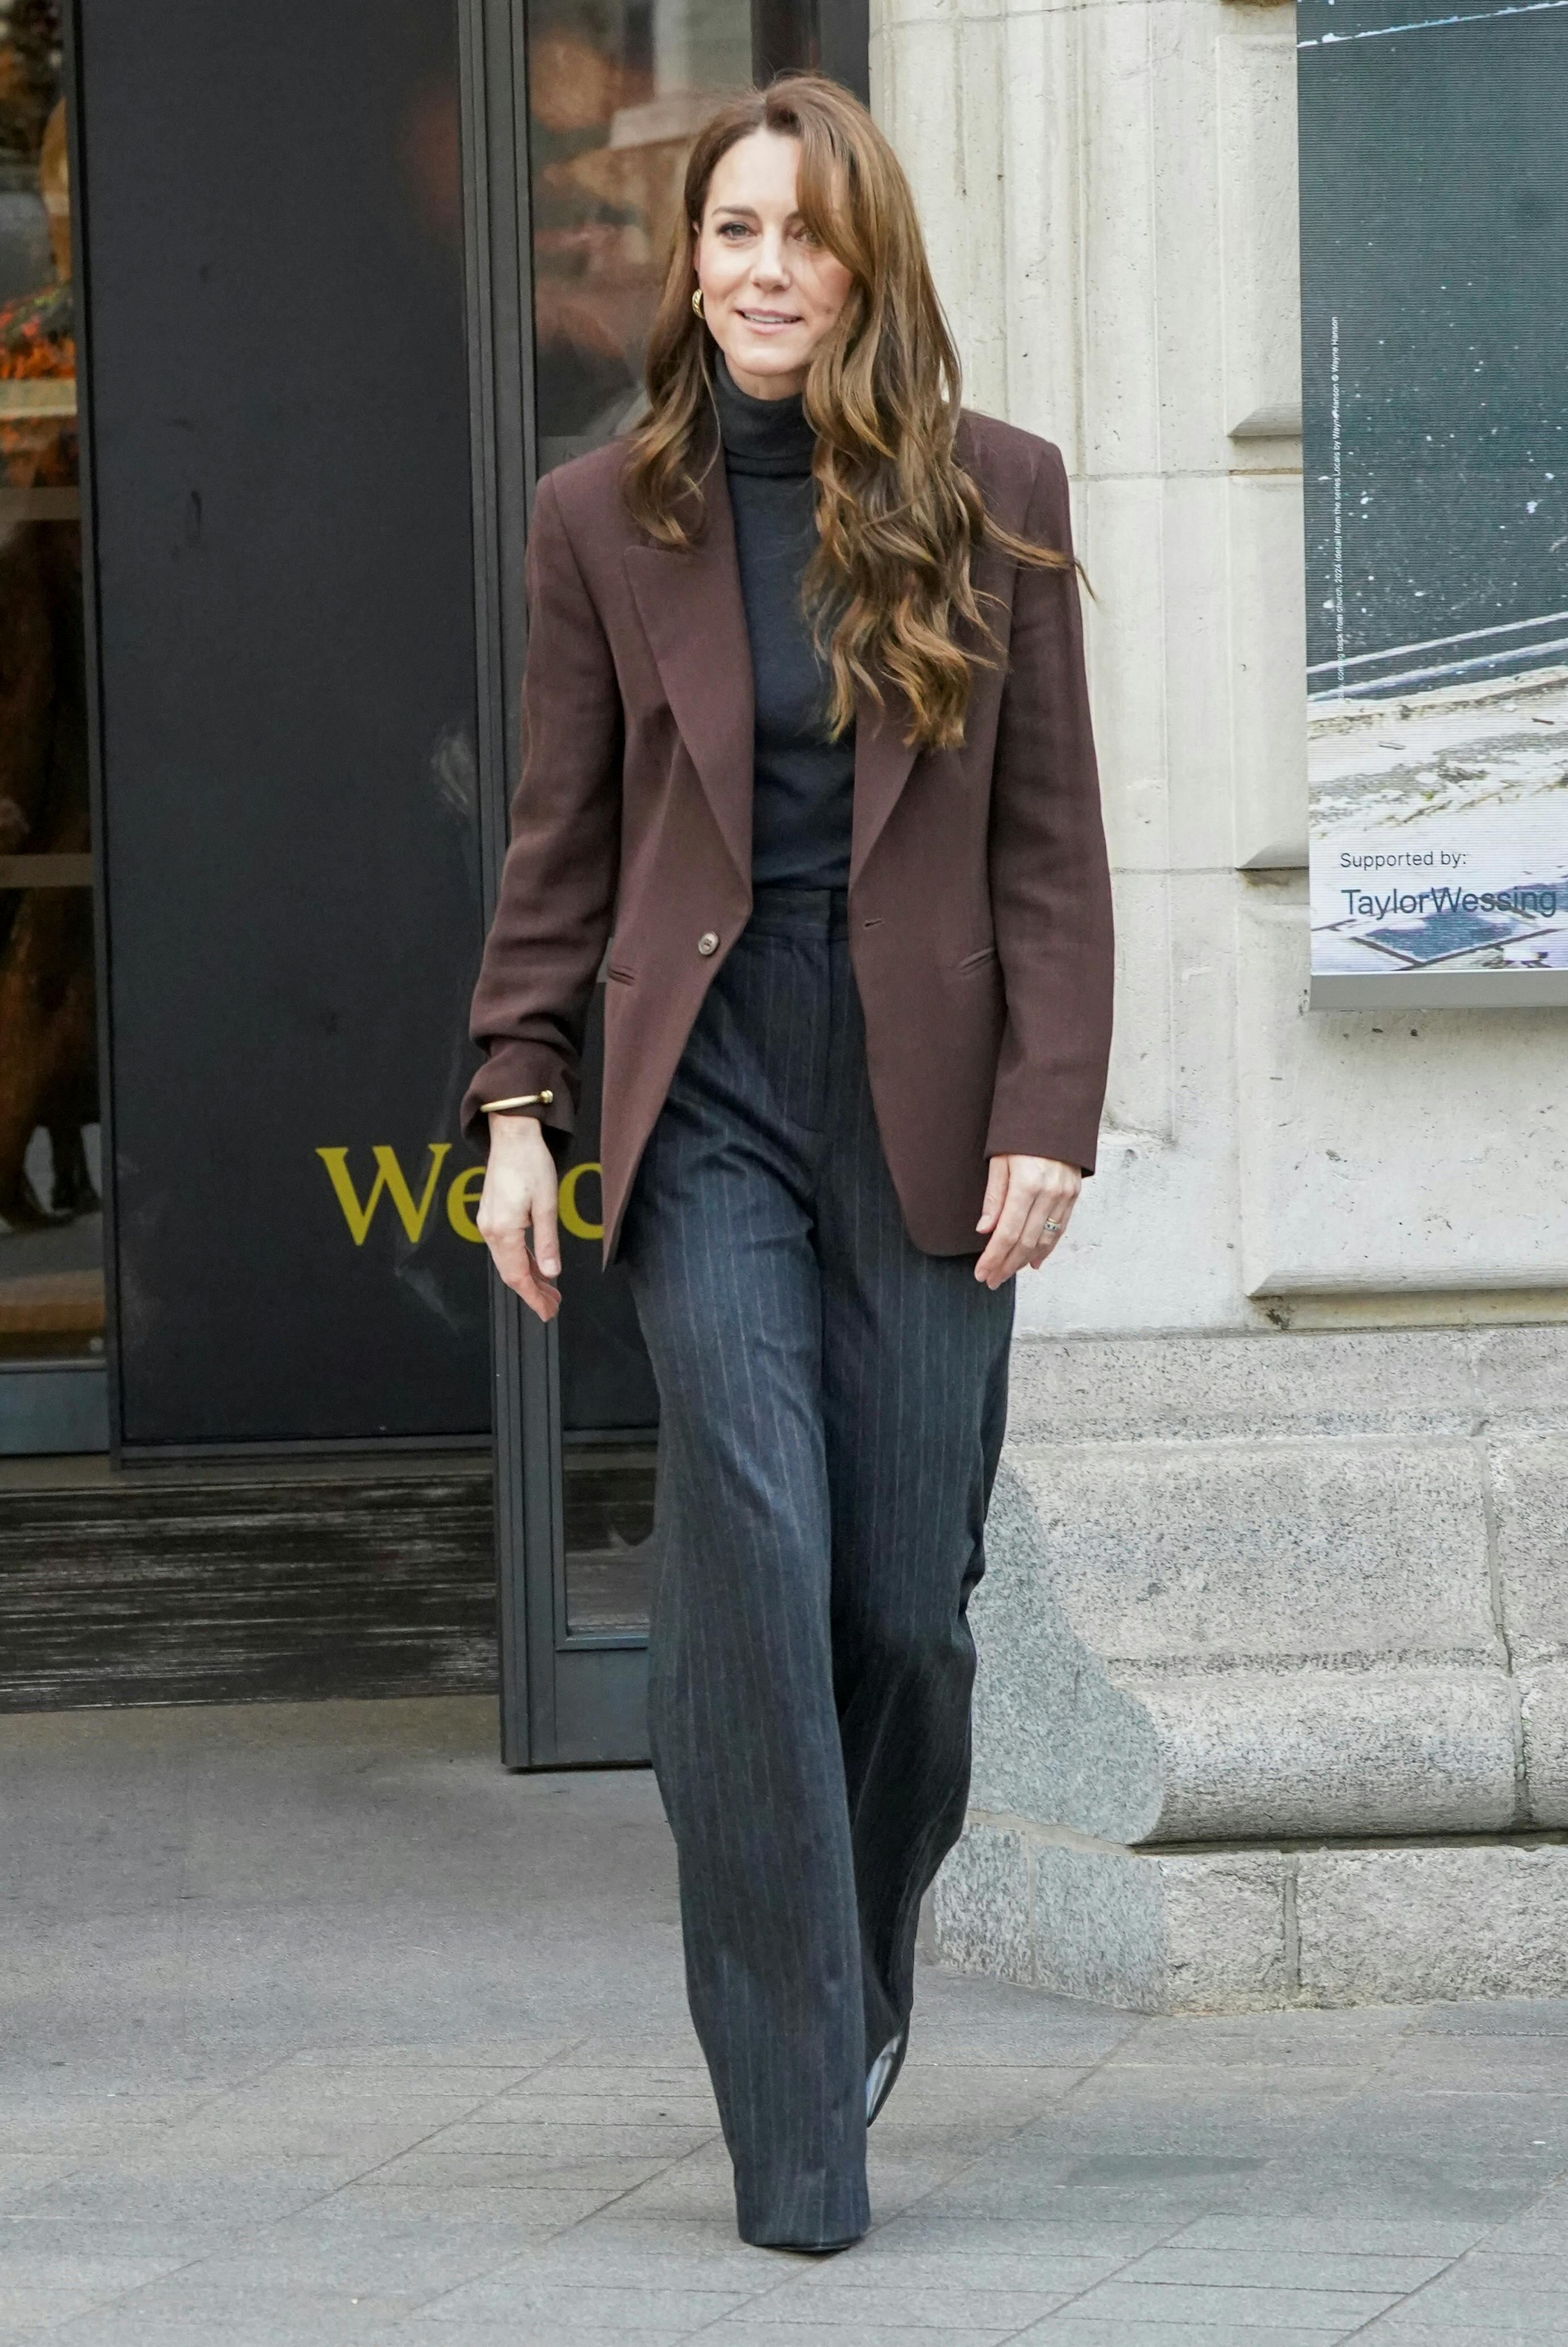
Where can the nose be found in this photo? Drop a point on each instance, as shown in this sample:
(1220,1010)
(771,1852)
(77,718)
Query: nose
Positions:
(770,266)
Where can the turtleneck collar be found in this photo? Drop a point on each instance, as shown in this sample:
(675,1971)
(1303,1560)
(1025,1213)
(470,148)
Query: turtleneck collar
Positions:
(761,435)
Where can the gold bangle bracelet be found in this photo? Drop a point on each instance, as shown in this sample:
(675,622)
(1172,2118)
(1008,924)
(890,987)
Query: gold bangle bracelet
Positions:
(523,1099)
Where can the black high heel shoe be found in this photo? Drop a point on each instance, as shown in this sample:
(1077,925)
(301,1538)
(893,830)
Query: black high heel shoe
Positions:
(881,2076)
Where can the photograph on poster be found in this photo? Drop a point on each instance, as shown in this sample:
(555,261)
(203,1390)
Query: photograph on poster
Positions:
(1434,187)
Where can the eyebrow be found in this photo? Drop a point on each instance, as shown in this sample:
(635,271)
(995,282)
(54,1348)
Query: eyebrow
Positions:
(749,211)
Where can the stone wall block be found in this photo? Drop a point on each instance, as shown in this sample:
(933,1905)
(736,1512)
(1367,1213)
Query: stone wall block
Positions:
(1362,1128)
(1267,627)
(1154,1221)
(1139,1096)
(1530,1480)
(1099,1926)
(1145,1188)
(1247,1754)
(1257,137)
(1227,1949)
(1543,1710)
(1210,1554)
(1182,1642)
(1189,252)
(1167,1389)
(1054,1739)
(1121,277)
(1043,206)
(1162,1933)
(1417,1926)
(1236,1931)
(981,1904)
(1521,1377)
(1122,545)
(1198,668)
(976,293)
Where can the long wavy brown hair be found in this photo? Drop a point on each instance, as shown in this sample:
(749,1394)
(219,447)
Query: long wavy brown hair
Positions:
(900,521)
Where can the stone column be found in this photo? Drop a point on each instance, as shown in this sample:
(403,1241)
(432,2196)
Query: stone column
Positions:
(1279,1604)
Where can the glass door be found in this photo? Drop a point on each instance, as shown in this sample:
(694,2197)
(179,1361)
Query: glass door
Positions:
(601,99)
(52,1385)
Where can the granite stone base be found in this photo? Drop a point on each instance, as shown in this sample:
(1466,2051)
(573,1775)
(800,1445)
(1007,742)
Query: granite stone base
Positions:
(1248,1929)
(1272,1695)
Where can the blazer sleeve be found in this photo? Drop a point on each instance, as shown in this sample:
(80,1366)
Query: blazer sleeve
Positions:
(1051,886)
(558,888)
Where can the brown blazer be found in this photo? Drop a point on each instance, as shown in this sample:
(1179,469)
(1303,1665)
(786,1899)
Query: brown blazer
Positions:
(979,905)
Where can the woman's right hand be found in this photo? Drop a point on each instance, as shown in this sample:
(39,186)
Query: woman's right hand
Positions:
(519,1196)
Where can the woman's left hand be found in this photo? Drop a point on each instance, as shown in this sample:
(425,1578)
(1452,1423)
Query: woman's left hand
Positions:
(1025,1197)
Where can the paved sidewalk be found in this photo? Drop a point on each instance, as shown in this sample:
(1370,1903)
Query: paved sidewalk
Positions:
(316,2028)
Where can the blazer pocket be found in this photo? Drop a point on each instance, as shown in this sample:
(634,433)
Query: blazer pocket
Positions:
(976,960)
(621,976)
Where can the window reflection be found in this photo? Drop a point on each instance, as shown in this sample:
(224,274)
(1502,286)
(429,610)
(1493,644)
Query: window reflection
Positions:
(51,1278)
(616,90)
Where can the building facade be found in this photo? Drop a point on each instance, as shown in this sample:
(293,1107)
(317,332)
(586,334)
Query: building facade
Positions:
(1273,1692)
(1273,1700)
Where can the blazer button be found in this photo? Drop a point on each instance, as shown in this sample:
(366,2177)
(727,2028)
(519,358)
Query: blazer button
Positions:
(708,943)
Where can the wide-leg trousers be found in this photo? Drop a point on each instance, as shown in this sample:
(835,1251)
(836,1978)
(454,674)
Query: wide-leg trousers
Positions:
(832,1411)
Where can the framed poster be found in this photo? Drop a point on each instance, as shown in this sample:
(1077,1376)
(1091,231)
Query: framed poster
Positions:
(1434,200)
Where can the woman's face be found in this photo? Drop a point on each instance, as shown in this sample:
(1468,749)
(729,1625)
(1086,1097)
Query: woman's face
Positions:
(770,291)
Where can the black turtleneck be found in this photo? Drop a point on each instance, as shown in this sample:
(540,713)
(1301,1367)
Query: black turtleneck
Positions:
(803,787)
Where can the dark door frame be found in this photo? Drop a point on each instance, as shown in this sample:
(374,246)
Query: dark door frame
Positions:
(71,1407)
(564,1699)
(567,1699)
(832,36)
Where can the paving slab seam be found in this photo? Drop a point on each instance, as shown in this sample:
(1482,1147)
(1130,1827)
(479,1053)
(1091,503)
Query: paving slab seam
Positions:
(1334,2107)
(1454,2263)
(795,2282)
(257,2234)
(1450,2265)
(1499,1600)
(482,2104)
(786,2281)
(1040,2326)
(1039,2322)
(516,2257)
(1383,2063)
(998,2335)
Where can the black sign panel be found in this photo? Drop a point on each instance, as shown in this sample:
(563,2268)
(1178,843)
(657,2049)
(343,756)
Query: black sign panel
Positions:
(1434,186)
(280,407)
(280,411)
(1434,183)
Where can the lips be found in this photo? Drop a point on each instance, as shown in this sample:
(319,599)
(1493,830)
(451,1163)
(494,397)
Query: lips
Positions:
(765,318)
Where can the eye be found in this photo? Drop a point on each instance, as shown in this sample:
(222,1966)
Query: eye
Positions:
(731,230)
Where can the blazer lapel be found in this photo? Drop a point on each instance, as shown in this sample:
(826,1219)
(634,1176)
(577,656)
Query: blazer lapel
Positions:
(695,621)
(881,762)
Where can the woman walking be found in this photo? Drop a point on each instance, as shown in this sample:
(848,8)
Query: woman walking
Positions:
(807,746)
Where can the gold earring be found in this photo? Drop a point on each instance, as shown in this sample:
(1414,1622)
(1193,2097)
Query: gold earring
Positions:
(697,301)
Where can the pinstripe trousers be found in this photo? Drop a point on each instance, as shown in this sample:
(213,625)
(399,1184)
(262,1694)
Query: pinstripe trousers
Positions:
(832,1411)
